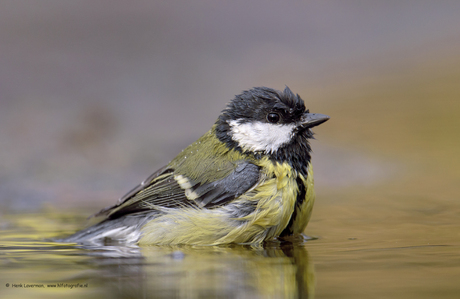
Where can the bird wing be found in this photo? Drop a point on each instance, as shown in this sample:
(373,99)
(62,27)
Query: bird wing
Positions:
(169,189)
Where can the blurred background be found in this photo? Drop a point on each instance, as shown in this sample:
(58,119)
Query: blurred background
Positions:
(96,95)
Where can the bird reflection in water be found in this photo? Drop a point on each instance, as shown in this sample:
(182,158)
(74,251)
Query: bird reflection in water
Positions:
(279,269)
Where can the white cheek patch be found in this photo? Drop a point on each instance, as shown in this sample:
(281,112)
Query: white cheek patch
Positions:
(259,136)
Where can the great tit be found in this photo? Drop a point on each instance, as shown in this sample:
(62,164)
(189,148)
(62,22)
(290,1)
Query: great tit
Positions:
(249,179)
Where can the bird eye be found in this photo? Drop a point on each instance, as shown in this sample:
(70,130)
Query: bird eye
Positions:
(273,117)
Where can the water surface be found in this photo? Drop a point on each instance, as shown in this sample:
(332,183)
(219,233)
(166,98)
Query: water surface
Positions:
(34,268)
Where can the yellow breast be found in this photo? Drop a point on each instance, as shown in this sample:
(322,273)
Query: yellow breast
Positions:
(274,200)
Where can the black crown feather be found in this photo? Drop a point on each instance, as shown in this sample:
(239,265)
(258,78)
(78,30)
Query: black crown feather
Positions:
(253,105)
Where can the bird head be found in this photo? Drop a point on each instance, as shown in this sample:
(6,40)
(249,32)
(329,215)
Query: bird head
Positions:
(264,121)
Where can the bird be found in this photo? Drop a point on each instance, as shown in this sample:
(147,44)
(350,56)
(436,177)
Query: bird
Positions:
(248,180)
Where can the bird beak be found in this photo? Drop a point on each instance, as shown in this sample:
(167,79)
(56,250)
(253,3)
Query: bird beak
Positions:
(310,120)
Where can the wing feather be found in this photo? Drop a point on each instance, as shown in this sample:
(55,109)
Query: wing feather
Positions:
(165,188)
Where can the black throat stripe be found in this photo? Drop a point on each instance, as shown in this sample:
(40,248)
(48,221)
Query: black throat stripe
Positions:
(302,192)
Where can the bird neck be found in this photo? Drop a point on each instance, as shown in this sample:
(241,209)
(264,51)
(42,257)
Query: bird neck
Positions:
(297,153)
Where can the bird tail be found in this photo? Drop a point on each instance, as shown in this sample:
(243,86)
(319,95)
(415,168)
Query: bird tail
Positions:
(125,230)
